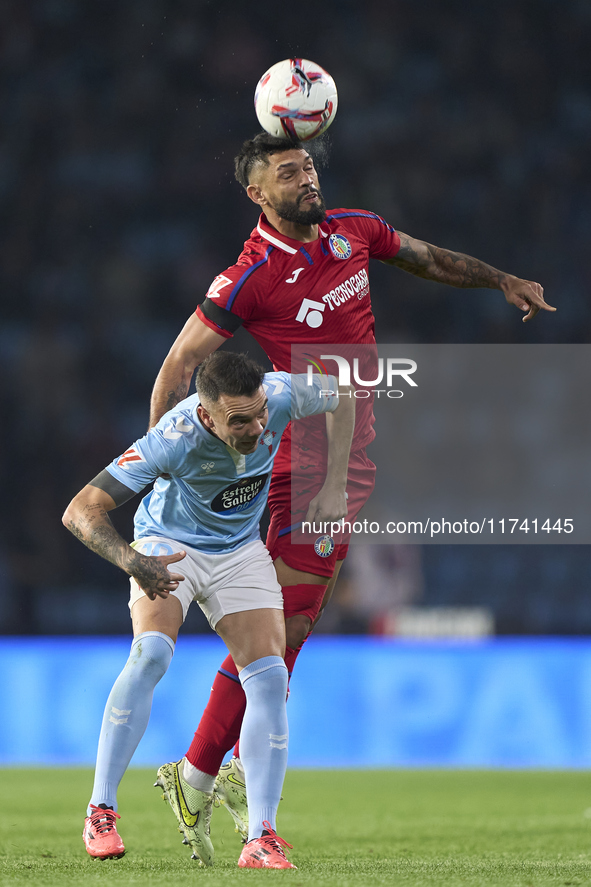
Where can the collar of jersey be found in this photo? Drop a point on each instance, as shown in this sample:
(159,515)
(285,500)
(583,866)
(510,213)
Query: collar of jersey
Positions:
(287,244)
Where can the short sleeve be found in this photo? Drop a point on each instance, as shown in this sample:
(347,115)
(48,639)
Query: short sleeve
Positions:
(384,241)
(232,297)
(144,461)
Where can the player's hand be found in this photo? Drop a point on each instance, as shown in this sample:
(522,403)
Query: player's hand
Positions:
(152,576)
(328,505)
(527,295)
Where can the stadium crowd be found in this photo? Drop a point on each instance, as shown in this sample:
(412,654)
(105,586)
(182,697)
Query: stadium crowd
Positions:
(469,127)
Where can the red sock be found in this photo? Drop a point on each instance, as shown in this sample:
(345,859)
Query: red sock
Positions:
(219,727)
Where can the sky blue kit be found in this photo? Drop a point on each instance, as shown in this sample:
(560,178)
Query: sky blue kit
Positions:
(215,497)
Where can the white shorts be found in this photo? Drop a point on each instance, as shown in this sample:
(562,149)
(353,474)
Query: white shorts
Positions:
(232,582)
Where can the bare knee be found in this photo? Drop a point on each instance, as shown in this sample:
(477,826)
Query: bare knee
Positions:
(296,630)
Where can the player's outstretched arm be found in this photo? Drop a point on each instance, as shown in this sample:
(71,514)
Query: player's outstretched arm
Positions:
(330,503)
(456,269)
(195,341)
(86,517)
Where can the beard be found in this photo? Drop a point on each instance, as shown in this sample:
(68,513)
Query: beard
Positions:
(293,212)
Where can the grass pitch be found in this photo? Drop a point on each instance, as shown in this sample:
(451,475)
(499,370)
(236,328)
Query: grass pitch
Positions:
(349,828)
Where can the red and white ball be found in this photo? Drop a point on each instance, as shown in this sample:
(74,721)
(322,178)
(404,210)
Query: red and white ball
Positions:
(296,99)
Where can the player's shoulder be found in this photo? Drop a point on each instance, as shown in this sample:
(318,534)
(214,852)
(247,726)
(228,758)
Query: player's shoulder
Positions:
(362,226)
(252,258)
(347,216)
(181,421)
(254,249)
(278,386)
(277,383)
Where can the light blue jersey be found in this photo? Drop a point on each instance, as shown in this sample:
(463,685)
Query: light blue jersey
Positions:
(216,496)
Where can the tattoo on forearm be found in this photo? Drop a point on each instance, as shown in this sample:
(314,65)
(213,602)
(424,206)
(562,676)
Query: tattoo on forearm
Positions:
(443,265)
(73,528)
(102,537)
(175,397)
(97,532)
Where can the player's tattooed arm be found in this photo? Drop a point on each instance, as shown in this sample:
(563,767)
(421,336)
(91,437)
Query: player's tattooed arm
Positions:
(194,343)
(86,517)
(458,269)
(175,397)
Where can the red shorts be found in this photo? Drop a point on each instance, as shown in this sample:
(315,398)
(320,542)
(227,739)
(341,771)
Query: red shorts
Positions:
(315,553)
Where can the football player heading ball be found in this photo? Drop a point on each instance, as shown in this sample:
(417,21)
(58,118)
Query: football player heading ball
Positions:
(280,290)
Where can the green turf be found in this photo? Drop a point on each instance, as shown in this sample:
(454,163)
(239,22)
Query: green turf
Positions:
(349,828)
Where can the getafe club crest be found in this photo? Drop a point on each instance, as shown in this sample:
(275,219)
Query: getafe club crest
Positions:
(339,246)
(324,546)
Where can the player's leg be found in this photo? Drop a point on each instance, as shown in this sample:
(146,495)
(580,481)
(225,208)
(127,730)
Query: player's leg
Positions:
(219,728)
(304,595)
(155,627)
(256,642)
(296,587)
(244,595)
(126,717)
(304,599)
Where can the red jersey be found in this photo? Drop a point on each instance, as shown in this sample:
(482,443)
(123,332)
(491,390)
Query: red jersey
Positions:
(285,292)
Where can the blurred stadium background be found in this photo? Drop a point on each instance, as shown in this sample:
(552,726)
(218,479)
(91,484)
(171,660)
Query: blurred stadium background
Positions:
(467,126)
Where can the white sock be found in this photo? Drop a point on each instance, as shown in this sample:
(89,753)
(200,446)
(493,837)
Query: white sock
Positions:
(197,778)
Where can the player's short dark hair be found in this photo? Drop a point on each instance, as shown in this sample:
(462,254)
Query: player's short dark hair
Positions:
(225,372)
(257,150)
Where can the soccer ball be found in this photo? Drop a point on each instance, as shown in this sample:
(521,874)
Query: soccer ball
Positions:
(296,99)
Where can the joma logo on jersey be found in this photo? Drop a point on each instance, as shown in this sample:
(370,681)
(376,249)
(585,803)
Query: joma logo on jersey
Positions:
(295,275)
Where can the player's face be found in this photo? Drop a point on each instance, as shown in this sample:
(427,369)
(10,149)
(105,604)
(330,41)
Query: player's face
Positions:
(237,421)
(290,186)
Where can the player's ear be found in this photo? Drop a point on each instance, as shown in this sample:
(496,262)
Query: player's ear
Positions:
(205,417)
(256,195)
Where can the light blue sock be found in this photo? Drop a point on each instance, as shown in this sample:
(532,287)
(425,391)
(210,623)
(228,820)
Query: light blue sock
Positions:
(127,713)
(263,739)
